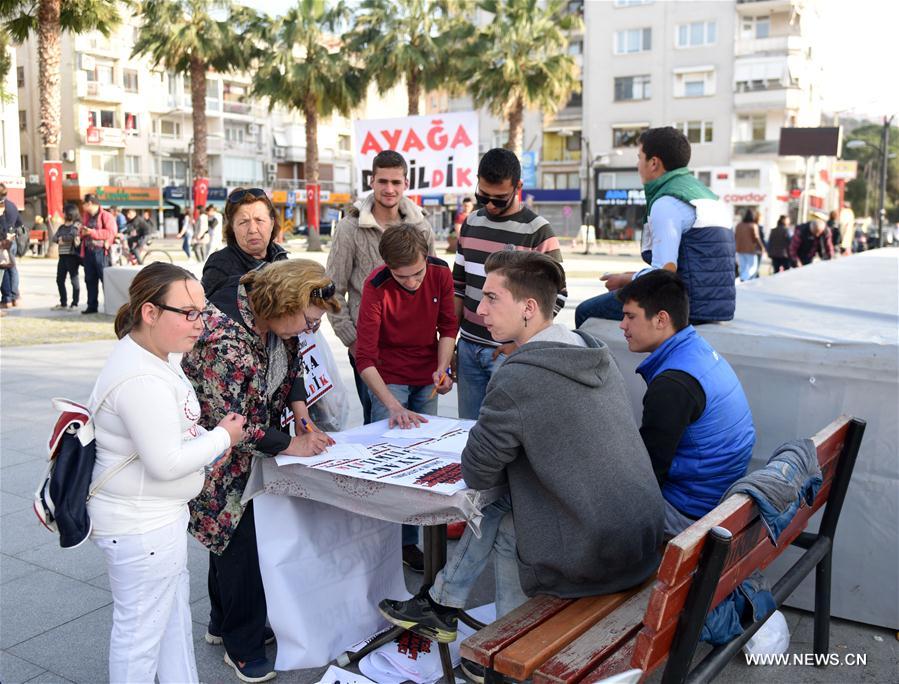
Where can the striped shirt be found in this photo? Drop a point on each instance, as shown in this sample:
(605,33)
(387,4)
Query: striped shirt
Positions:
(479,237)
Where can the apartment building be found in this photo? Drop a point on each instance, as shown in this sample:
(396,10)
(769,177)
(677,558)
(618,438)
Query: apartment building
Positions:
(729,74)
(127,133)
(10,122)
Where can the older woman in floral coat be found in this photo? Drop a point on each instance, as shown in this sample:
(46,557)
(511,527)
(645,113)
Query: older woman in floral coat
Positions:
(246,361)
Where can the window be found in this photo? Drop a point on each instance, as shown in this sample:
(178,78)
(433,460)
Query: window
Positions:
(20,77)
(102,118)
(107,163)
(626,136)
(631,3)
(576,47)
(343,143)
(169,129)
(561,181)
(695,82)
(235,134)
(704,177)
(755,27)
(632,88)
(132,165)
(131,126)
(23,120)
(747,178)
(23,160)
(129,80)
(697,132)
(696,34)
(751,127)
(104,74)
(174,169)
(633,40)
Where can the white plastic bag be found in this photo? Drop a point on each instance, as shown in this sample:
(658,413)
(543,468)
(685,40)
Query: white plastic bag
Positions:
(772,638)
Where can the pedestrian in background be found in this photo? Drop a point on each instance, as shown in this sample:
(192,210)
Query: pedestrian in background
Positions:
(200,240)
(811,239)
(186,234)
(749,245)
(68,237)
(146,420)
(10,227)
(98,230)
(779,245)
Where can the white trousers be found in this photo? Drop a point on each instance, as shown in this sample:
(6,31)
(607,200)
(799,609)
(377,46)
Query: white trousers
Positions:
(151,621)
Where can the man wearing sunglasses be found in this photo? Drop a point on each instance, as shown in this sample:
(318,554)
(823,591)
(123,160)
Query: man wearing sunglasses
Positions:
(501,222)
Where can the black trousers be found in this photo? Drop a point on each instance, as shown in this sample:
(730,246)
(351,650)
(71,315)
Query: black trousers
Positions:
(94,263)
(236,593)
(779,264)
(67,266)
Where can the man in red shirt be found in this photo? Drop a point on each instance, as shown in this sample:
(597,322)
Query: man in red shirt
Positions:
(406,304)
(97,233)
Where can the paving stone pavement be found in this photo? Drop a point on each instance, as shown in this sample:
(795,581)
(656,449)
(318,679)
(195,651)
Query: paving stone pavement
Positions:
(55,605)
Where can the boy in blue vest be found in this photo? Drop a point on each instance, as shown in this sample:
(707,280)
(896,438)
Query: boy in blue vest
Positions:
(686,229)
(697,425)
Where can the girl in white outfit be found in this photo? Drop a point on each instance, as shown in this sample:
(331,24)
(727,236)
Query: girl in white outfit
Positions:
(140,514)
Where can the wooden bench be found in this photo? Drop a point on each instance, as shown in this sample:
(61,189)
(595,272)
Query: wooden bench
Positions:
(588,639)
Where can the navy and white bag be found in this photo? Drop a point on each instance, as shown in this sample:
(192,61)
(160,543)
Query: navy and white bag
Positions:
(60,501)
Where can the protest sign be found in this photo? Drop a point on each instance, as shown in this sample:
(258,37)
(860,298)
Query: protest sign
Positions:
(441,150)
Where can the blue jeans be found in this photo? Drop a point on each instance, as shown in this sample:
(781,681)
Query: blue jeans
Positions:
(94,263)
(415,398)
(454,582)
(10,285)
(605,306)
(474,368)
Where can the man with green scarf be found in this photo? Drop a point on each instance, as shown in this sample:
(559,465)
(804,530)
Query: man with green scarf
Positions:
(686,230)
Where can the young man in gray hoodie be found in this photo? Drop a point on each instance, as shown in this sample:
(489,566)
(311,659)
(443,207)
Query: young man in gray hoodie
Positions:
(584,515)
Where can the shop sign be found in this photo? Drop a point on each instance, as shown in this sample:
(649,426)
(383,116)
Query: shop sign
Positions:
(633,196)
(749,197)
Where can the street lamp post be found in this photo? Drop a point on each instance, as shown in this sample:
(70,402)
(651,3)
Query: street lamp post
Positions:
(883,150)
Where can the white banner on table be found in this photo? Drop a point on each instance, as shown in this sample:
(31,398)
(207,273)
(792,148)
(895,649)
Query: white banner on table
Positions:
(435,427)
(324,571)
(399,466)
(415,658)
(442,150)
(452,442)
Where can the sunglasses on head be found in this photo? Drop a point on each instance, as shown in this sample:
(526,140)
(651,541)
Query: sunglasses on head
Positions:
(499,203)
(238,195)
(325,292)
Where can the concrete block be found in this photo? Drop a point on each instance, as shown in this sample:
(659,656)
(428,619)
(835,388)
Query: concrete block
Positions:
(10,503)
(15,670)
(12,568)
(21,531)
(82,563)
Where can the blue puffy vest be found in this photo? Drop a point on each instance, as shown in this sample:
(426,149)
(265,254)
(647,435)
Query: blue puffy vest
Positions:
(714,451)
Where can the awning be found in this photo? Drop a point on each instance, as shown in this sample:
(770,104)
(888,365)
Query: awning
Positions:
(760,70)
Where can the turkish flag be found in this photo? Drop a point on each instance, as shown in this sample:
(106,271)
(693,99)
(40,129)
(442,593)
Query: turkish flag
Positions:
(201,191)
(53,183)
(312,207)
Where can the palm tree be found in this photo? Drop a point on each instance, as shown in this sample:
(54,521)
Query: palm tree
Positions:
(419,40)
(191,37)
(521,61)
(308,69)
(49,18)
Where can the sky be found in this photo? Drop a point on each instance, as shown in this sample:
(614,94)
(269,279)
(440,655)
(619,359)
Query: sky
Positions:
(856,47)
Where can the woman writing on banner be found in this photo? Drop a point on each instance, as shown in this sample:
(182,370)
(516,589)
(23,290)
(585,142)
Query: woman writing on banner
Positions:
(247,360)
(148,409)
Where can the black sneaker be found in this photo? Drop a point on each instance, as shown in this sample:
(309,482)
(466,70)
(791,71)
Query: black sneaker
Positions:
(413,558)
(89,311)
(473,671)
(259,670)
(424,617)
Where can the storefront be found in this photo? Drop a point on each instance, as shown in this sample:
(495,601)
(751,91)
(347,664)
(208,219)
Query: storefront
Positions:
(619,213)
(290,206)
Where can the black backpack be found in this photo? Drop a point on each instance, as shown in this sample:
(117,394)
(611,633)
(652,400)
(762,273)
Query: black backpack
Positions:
(60,501)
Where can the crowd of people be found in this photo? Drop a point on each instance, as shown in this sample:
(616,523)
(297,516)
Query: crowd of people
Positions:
(592,492)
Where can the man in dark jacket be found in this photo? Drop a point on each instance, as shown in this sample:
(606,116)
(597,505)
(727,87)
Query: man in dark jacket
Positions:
(810,240)
(11,227)
(138,232)
(98,230)
(697,425)
(583,515)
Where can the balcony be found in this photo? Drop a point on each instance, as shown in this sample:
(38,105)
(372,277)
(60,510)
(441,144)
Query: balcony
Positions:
(777,97)
(759,7)
(756,147)
(99,92)
(96,45)
(776,45)
(102,137)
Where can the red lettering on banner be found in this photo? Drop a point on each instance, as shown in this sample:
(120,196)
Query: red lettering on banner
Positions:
(413,141)
(436,138)
(463,177)
(461,138)
(393,141)
(437,178)
(370,144)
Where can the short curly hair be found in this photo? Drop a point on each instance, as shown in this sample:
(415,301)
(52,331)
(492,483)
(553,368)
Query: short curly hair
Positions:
(286,287)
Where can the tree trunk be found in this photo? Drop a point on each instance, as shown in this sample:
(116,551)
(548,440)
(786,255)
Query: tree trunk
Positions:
(310,110)
(413,92)
(198,103)
(49,58)
(516,127)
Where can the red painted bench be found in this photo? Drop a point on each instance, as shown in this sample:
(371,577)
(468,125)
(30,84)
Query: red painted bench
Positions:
(586,640)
